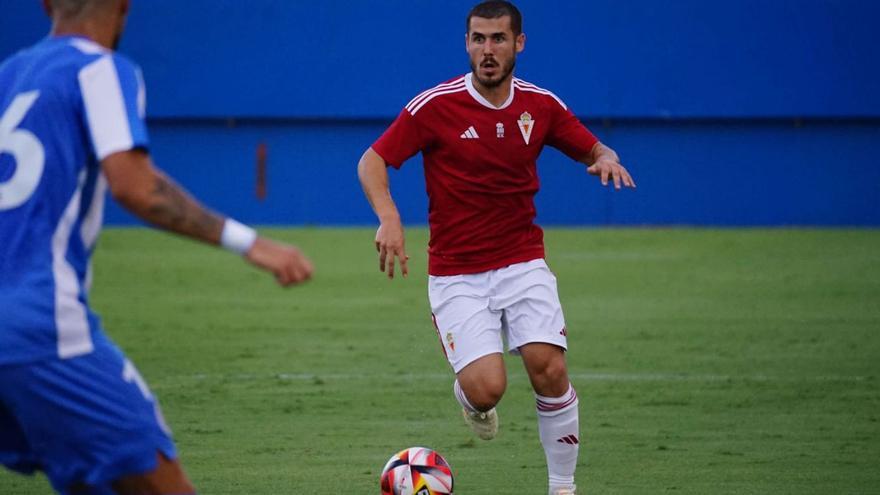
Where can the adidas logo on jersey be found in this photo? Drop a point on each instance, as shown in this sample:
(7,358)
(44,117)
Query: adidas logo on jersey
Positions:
(470,133)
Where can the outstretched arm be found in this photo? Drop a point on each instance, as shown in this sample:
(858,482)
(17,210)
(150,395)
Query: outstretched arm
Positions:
(390,242)
(604,163)
(155,198)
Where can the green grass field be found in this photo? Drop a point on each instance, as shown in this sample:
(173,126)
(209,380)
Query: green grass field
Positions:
(707,362)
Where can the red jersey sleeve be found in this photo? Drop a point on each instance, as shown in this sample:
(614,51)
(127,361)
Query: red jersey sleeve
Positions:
(570,136)
(400,141)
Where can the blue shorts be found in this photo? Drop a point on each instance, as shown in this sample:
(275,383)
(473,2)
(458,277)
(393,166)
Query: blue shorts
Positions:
(89,419)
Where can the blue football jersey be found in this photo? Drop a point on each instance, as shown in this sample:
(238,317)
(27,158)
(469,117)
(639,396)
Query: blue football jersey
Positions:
(65,104)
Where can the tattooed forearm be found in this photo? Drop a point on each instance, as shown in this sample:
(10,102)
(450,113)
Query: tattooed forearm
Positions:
(172,208)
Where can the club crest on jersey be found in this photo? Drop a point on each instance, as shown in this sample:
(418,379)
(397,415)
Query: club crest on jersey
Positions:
(526,124)
(499,130)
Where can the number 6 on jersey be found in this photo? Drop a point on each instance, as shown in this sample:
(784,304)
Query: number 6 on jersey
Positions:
(26,150)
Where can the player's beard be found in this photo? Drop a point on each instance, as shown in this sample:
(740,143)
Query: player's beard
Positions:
(504,72)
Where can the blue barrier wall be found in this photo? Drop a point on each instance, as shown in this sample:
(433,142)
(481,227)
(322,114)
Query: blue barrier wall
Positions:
(742,112)
(716,173)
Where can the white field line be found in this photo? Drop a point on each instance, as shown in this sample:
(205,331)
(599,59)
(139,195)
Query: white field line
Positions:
(577,377)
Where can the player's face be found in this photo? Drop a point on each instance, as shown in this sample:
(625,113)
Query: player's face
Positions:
(492,47)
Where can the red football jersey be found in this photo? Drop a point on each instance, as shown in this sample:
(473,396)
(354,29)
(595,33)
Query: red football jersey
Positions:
(480,169)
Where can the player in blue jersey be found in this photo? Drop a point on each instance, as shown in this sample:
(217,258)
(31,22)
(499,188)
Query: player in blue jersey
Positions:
(72,126)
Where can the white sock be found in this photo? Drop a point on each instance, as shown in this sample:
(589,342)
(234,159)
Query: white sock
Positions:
(462,399)
(558,426)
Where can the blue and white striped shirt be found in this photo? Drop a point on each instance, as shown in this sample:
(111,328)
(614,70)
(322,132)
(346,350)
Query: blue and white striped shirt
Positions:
(65,104)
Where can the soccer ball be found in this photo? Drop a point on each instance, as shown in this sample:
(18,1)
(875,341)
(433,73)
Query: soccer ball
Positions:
(416,471)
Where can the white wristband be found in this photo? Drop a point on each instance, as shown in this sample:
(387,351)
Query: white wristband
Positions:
(236,237)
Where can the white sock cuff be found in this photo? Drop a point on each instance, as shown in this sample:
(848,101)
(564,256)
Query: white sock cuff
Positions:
(462,399)
(551,406)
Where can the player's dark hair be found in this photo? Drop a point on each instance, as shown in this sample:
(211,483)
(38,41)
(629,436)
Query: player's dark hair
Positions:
(493,9)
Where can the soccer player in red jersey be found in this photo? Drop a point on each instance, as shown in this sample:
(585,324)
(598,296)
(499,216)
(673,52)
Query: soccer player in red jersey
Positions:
(480,135)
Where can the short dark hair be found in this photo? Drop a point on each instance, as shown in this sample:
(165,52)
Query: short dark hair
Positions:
(494,9)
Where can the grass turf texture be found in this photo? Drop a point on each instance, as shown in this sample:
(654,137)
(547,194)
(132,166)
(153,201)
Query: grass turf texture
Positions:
(734,361)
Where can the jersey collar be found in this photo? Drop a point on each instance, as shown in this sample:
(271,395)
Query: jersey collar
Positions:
(469,84)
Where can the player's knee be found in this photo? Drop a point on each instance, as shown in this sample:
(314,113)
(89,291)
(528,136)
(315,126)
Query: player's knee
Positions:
(551,378)
(488,394)
(556,371)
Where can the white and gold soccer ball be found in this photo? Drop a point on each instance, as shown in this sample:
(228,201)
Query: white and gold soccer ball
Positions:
(416,471)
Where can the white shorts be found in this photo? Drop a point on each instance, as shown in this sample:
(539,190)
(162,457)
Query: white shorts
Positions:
(473,313)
